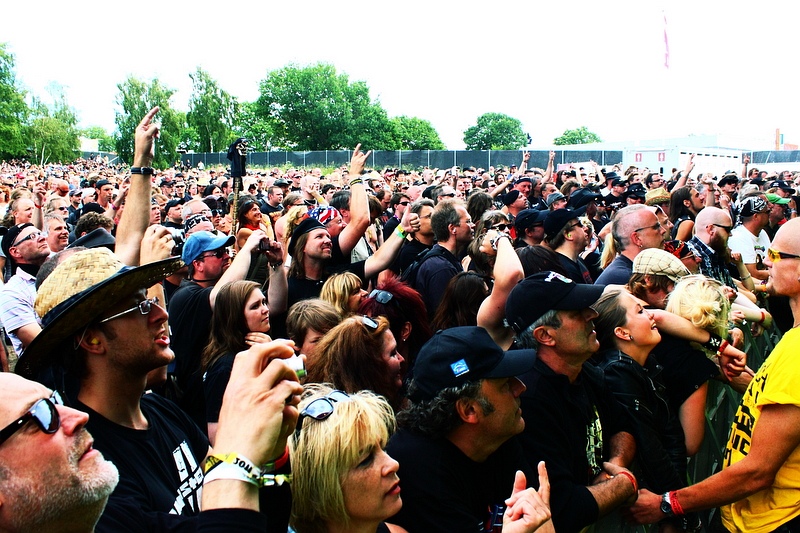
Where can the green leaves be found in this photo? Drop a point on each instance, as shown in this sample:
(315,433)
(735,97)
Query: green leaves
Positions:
(495,131)
(212,113)
(577,136)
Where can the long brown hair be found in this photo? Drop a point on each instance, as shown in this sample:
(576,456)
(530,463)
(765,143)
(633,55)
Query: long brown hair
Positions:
(228,326)
(349,357)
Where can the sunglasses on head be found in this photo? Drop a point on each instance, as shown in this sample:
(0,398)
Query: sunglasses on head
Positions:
(321,408)
(43,412)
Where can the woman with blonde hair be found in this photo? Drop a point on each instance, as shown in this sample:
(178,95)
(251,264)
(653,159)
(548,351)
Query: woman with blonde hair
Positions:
(344,292)
(343,480)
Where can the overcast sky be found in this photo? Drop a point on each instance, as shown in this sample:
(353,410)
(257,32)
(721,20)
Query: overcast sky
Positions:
(553,65)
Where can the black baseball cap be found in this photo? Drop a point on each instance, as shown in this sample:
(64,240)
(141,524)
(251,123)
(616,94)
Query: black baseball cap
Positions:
(537,294)
(556,220)
(459,355)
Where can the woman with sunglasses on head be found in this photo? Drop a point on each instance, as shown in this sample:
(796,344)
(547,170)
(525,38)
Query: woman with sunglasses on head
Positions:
(248,220)
(240,319)
(405,310)
(343,480)
(360,354)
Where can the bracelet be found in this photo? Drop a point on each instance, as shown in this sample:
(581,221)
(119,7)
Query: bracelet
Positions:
(493,242)
(356,181)
(631,479)
(148,171)
(722,347)
(713,344)
(280,462)
(37,206)
(763,317)
(673,501)
(230,472)
(112,206)
(746,277)
(215,460)
(400,232)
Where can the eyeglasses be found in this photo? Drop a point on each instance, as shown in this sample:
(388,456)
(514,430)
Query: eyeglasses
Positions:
(502,227)
(448,195)
(726,228)
(382,297)
(143,307)
(403,203)
(43,412)
(657,227)
(219,254)
(62,208)
(775,255)
(321,408)
(30,237)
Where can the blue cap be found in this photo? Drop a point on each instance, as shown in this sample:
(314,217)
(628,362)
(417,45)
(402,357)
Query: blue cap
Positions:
(203,241)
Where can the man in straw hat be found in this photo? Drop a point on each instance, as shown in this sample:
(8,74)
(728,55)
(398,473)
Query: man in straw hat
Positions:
(104,331)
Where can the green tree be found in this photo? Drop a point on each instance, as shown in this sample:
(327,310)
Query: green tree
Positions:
(105,141)
(495,131)
(212,112)
(416,134)
(136,98)
(13,110)
(253,127)
(577,136)
(315,108)
(52,134)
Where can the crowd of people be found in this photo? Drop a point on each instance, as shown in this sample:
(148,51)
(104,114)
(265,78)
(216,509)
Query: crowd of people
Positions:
(505,349)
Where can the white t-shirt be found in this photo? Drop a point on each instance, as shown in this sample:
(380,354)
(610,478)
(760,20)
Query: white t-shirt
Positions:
(752,248)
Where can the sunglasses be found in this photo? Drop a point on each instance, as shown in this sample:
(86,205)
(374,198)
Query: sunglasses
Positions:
(43,412)
(726,228)
(382,297)
(219,254)
(775,255)
(403,203)
(32,236)
(321,408)
(143,307)
(369,323)
(502,227)
(449,195)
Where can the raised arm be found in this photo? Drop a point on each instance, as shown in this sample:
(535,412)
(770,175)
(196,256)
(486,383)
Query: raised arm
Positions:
(359,204)
(507,273)
(136,216)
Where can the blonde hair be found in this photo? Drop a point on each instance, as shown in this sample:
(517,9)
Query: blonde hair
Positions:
(609,250)
(323,451)
(337,290)
(701,300)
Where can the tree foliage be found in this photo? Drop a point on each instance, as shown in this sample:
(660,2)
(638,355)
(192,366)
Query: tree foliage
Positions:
(254,127)
(314,108)
(105,142)
(577,136)
(52,133)
(495,131)
(416,134)
(13,110)
(136,98)
(212,112)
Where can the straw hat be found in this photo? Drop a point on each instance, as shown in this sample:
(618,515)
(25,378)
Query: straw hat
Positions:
(82,288)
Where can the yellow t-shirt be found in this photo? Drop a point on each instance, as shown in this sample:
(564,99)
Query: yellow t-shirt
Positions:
(776,382)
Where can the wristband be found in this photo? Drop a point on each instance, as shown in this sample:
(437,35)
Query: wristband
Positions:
(215,460)
(631,479)
(280,462)
(763,317)
(722,347)
(230,472)
(676,506)
(148,171)
(356,181)
(112,206)
(713,344)
(400,232)
(493,242)
(37,206)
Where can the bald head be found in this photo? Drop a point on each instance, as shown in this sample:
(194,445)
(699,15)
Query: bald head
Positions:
(627,220)
(707,225)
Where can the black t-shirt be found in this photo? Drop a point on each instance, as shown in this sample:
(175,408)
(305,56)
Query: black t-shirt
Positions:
(215,380)
(575,270)
(685,368)
(445,491)
(569,426)
(408,253)
(160,468)
(189,319)
(303,289)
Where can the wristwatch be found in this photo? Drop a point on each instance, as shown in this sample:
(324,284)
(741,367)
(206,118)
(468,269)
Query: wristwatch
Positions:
(493,241)
(666,505)
(148,171)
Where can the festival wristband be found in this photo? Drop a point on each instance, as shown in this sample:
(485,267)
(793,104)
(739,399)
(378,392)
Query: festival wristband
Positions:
(713,344)
(722,347)
(215,460)
(229,472)
(280,462)
(148,171)
(676,506)
(631,479)
(400,232)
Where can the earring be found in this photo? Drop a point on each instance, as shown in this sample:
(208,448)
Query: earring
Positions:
(94,341)
(630,337)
